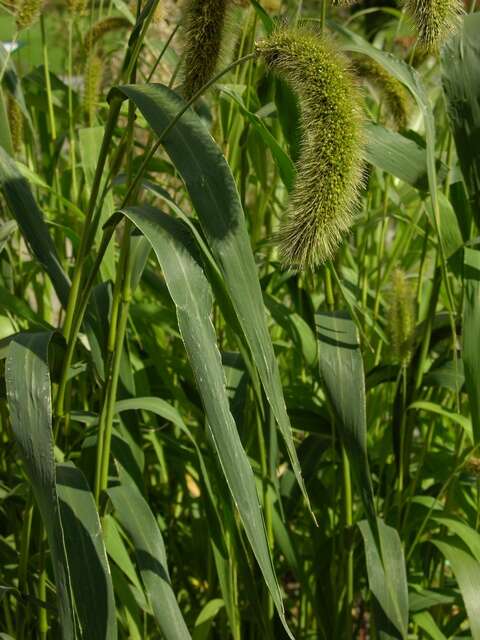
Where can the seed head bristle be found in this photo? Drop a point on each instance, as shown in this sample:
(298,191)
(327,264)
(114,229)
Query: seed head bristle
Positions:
(93,81)
(204,41)
(101,28)
(394,94)
(434,20)
(401,317)
(77,7)
(329,169)
(27,13)
(15,122)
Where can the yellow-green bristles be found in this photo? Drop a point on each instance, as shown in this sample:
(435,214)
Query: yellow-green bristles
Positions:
(102,27)
(401,317)
(27,13)
(394,94)
(93,82)
(329,169)
(15,122)
(434,20)
(204,42)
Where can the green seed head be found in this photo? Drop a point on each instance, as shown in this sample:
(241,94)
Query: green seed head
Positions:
(204,41)
(15,122)
(434,20)
(27,13)
(93,82)
(401,317)
(394,94)
(330,164)
(101,28)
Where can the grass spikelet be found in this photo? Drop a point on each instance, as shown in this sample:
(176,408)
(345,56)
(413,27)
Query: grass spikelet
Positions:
(77,7)
(473,466)
(15,122)
(205,26)
(102,27)
(93,82)
(394,94)
(27,13)
(330,165)
(434,20)
(401,317)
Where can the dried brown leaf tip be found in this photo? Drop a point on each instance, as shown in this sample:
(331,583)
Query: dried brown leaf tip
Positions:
(401,317)
(329,170)
(434,20)
(206,23)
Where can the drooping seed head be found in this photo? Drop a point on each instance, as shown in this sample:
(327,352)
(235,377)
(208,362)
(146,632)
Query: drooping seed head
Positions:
(15,122)
(329,168)
(401,317)
(434,20)
(93,82)
(204,41)
(101,28)
(394,94)
(27,13)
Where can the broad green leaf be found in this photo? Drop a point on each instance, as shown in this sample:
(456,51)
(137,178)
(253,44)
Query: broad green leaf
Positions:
(190,291)
(461,84)
(30,220)
(467,572)
(341,369)
(27,380)
(471,336)
(87,559)
(205,619)
(425,621)
(215,198)
(449,228)
(396,154)
(387,579)
(469,536)
(137,519)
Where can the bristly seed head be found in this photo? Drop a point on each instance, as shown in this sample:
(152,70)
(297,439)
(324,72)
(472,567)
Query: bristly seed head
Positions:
(204,41)
(102,27)
(435,20)
(15,121)
(394,94)
(27,13)
(93,82)
(401,317)
(329,169)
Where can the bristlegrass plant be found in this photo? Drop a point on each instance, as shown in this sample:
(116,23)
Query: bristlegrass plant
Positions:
(162,411)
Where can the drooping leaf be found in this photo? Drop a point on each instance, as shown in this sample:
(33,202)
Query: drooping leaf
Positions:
(387,579)
(87,558)
(341,369)
(27,379)
(192,296)
(137,519)
(467,572)
(30,220)
(216,201)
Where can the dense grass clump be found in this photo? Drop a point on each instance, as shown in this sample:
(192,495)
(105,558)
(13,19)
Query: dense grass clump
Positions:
(329,169)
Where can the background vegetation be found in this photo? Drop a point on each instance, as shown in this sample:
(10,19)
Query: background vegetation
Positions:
(196,441)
